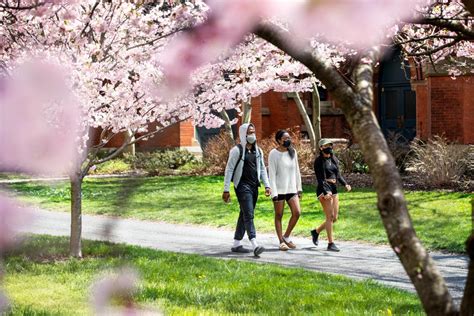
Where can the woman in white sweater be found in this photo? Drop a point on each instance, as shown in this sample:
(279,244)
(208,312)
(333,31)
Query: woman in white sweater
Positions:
(285,183)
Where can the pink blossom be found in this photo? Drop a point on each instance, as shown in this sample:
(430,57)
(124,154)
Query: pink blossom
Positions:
(122,285)
(4,302)
(12,218)
(39,121)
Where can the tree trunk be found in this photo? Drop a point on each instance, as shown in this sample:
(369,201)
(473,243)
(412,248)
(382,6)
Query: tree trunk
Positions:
(129,138)
(393,210)
(316,115)
(467,304)
(227,126)
(307,121)
(247,107)
(75,247)
(356,103)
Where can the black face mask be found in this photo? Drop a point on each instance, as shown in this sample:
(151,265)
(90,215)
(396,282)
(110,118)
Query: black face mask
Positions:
(287,143)
(327,150)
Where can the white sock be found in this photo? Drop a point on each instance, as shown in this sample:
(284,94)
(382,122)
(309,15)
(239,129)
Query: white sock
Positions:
(237,243)
(254,243)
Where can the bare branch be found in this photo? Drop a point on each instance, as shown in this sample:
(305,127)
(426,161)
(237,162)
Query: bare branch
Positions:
(363,74)
(6,6)
(450,25)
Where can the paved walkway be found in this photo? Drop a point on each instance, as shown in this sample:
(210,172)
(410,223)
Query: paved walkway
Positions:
(356,260)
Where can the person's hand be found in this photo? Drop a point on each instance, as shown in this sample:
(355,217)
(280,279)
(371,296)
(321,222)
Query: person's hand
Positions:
(268,191)
(348,187)
(300,195)
(328,196)
(226,197)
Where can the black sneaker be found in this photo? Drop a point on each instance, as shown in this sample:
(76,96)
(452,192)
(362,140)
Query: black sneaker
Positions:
(332,247)
(258,251)
(315,236)
(240,249)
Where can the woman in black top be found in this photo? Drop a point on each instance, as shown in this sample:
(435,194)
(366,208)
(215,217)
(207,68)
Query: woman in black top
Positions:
(326,167)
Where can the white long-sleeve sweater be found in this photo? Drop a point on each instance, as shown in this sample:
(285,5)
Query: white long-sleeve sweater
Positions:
(284,173)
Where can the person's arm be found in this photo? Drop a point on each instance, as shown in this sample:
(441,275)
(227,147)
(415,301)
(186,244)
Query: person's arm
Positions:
(263,171)
(319,171)
(299,186)
(272,171)
(230,167)
(339,175)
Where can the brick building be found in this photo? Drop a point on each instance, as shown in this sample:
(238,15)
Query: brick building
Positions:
(408,100)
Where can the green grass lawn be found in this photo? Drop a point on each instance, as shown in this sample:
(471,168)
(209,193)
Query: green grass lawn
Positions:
(442,219)
(41,280)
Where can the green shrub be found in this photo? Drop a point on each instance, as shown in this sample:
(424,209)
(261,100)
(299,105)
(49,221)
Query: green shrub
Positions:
(112,166)
(156,162)
(352,160)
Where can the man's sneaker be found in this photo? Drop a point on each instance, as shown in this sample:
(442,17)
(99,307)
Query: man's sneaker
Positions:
(315,236)
(258,251)
(332,247)
(240,249)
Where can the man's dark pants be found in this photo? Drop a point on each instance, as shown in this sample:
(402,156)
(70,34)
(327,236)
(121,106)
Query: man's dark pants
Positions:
(247,195)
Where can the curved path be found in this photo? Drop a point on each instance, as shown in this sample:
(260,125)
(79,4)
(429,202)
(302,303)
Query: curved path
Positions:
(356,260)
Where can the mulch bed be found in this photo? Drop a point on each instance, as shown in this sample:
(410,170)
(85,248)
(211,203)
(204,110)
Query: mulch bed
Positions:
(361,180)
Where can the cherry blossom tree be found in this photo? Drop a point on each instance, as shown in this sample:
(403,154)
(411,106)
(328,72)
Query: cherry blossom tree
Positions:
(353,91)
(110,49)
(442,36)
(128,74)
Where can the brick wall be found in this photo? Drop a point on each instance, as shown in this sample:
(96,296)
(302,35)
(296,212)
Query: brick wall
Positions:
(468,110)
(423,129)
(186,136)
(447,97)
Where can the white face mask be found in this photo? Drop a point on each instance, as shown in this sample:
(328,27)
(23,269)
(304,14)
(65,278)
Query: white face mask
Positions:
(251,138)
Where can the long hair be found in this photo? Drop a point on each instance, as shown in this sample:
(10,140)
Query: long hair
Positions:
(278,136)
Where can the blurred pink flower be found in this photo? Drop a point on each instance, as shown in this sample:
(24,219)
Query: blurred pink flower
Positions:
(39,121)
(122,284)
(4,302)
(361,23)
(207,41)
(12,218)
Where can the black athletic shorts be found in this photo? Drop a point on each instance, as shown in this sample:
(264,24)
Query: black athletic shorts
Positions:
(285,197)
(327,187)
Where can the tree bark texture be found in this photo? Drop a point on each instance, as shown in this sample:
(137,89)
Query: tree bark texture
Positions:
(247,108)
(316,115)
(356,103)
(467,304)
(306,120)
(75,244)
(227,126)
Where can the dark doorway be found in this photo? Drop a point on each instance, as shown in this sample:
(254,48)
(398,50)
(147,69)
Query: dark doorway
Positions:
(397,101)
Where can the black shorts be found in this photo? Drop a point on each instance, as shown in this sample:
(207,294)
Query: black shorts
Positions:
(327,187)
(285,197)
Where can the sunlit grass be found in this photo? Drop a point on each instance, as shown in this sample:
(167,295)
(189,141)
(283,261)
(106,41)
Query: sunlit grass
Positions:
(41,280)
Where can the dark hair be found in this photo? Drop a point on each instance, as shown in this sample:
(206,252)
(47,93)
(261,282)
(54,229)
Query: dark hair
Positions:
(279,135)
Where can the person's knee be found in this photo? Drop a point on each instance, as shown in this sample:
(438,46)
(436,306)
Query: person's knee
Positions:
(297,214)
(278,216)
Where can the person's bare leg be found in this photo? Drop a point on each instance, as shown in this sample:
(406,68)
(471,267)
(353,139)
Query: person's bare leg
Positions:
(335,207)
(294,204)
(328,211)
(279,206)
